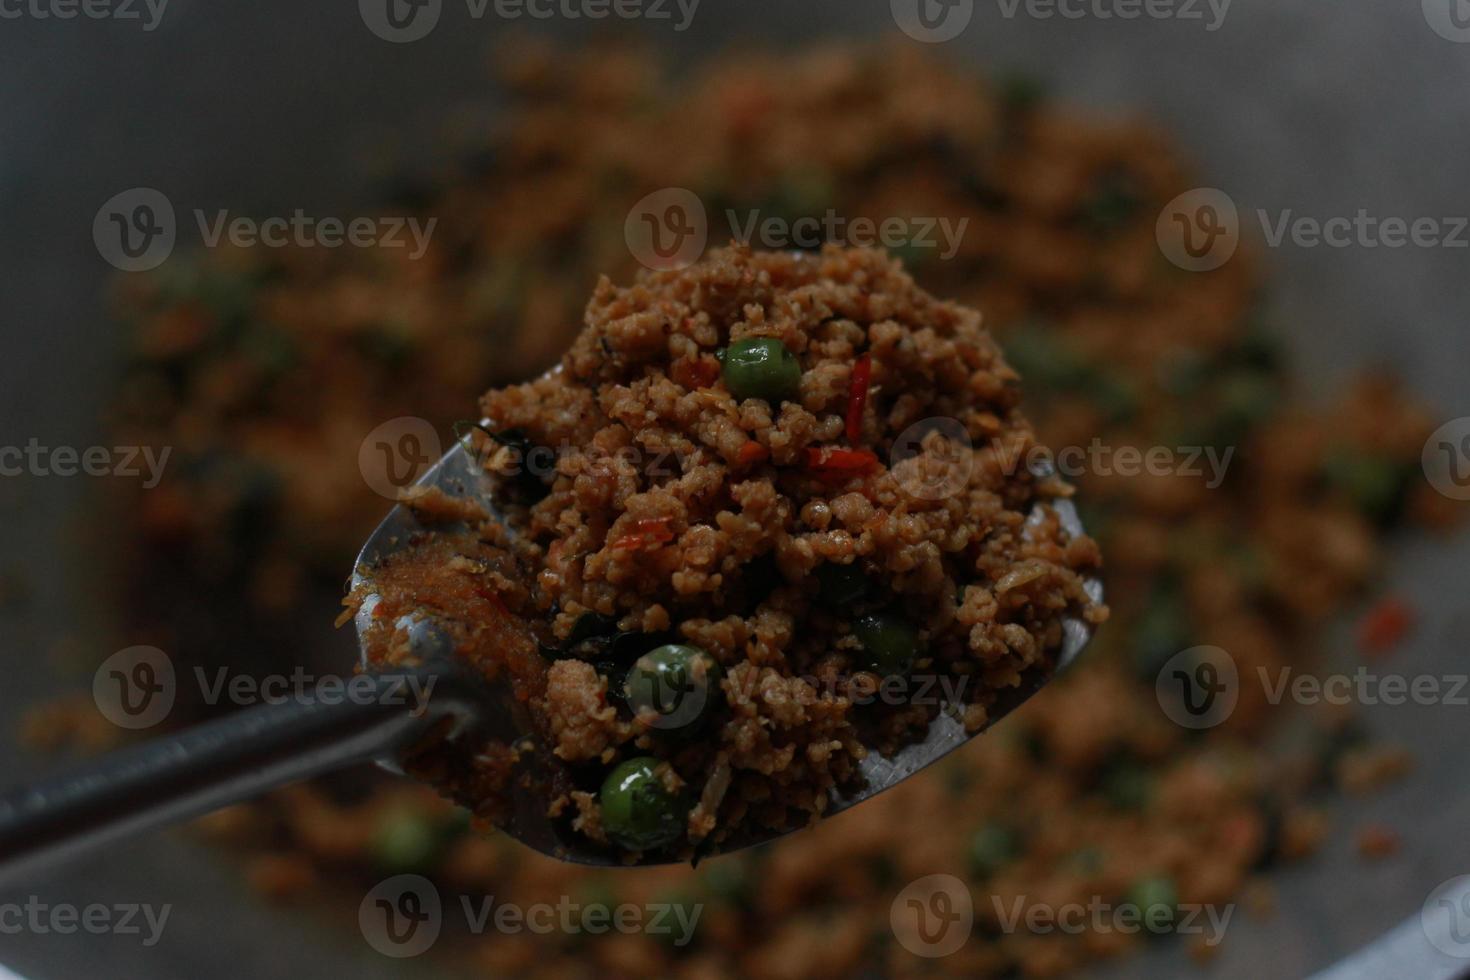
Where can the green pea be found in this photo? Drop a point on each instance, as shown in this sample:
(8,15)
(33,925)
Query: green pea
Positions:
(802,192)
(1116,199)
(1019,94)
(1157,900)
(992,848)
(729,881)
(958,779)
(407,841)
(761,367)
(1116,397)
(1086,860)
(1161,631)
(678,682)
(842,584)
(889,644)
(387,344)
(638,810)
(1374,484)
(1247,397)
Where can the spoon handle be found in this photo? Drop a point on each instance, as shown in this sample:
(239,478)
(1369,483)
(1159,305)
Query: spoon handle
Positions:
(200,769)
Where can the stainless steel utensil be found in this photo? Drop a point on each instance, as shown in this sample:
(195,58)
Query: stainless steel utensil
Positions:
(193,772)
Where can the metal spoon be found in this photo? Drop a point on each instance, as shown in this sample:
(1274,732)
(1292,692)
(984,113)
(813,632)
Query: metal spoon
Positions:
(189,773)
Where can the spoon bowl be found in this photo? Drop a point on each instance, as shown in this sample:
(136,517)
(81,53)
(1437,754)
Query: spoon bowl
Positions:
(459,474)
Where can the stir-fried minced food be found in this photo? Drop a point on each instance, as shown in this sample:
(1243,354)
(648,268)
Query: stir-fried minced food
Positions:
(751,488)
(265,369)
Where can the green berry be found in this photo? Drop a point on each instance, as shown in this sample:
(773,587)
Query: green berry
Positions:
(761,367)
(890,644)
(638,810)
(842,585)
(1157,900)
(992,848)
(676,682)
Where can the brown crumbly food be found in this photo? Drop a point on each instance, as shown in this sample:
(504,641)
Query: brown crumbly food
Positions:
(583,725)
(660,520)
(265,368)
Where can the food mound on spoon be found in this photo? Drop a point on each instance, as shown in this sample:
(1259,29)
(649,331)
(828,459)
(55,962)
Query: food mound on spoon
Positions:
(769,515)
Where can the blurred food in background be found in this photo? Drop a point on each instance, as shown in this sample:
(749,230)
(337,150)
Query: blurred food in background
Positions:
(265,372)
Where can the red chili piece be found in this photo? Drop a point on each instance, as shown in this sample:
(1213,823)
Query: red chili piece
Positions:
(494,600)
(831,463)
(1385,625)
(649,532)
(752,452)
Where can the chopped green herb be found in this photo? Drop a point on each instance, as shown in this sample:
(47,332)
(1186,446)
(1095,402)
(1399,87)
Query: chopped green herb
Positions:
(1087,860)
(1115,201)
(992,848)
(1127,785)
(389,344)
(1021,93)
(273,351)
(1374,484)
(729,881)
(802,193)
(1162,630)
